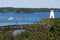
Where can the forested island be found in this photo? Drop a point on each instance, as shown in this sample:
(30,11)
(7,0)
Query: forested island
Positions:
(26,10)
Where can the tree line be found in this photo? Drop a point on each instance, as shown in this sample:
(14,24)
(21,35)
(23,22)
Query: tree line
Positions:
(26,10)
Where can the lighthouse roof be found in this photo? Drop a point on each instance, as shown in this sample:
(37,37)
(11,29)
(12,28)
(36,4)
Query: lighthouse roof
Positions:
(51,8)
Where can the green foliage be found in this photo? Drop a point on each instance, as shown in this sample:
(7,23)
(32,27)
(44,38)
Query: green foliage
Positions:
(46,29)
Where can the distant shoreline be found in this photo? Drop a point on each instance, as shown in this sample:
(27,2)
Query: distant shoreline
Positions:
(26,10)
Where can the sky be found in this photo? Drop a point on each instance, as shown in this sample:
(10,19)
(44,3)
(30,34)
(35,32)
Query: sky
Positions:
(30,3)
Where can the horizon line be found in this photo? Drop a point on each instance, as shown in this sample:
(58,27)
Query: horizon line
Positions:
(29,7)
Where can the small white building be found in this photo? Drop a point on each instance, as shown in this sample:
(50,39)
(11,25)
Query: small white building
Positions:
(51,13)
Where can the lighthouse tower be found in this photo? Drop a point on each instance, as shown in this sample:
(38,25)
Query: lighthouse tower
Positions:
(51,13)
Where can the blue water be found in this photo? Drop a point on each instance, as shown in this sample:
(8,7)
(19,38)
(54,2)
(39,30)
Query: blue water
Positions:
(23,18)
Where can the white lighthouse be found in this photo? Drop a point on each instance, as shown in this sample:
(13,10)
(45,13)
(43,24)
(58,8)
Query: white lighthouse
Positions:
(51,13)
